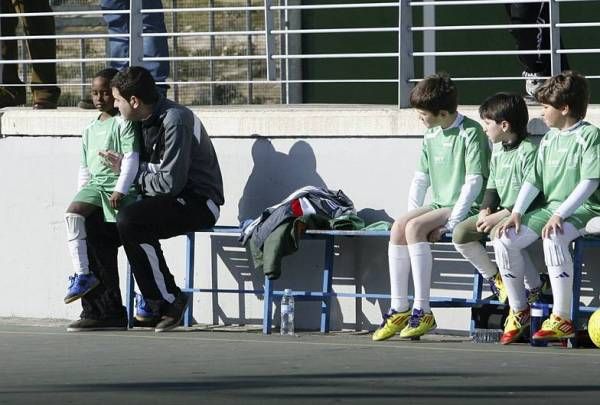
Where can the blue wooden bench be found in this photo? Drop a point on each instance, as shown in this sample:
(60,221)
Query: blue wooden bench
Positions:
(326,293)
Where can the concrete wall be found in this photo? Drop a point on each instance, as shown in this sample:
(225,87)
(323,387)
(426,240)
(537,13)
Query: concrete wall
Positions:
(368,152)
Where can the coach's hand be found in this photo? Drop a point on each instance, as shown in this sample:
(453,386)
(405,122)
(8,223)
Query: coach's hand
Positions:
(112,159)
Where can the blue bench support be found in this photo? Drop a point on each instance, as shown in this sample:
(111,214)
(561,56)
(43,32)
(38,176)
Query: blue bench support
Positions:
(327,293)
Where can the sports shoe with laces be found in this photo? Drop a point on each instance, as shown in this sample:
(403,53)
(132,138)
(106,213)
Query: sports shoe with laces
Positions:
(143,310)
(517,323)
(80,285)
(420,323)
(393,322)
(174,313)
(555,328)
(533,83)
(533,295)
(497,288)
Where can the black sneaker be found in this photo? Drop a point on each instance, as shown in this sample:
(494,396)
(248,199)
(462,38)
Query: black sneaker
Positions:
(87,324)
(174,313)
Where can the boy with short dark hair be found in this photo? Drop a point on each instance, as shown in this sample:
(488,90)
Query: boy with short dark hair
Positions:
(454,162)
(505,118)
(567,172)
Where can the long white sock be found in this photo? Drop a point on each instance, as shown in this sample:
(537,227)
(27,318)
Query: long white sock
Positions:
(532,276)
(475,253)
(399,262)
(561,278)
(511,262)
(421,261)
(560,269)
(79,256)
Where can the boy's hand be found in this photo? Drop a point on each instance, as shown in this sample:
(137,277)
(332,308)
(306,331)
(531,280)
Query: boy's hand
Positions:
(115,199)
(112,159)
(487,223)
(513,222)
(554,225)
(436,234)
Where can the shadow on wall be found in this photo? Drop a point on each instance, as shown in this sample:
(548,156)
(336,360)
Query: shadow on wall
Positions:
(276,175)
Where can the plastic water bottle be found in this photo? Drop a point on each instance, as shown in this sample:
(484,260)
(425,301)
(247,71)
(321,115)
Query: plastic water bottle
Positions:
(539,313)
(287,313)
(486,335)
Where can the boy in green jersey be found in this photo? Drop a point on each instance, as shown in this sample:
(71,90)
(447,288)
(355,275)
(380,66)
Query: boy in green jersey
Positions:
(567,172)
(505,120)
(100,188)
(454,162)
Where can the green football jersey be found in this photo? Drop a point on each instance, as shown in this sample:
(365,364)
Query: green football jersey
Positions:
(449,155)
(564,159)
(509,169)
(114,134)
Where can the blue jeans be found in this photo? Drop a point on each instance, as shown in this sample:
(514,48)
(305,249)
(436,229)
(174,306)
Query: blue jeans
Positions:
(153,46)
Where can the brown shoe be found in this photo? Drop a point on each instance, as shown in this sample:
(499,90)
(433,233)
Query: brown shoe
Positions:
(12,96)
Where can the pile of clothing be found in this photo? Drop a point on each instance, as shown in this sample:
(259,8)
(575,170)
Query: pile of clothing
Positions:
(276,233)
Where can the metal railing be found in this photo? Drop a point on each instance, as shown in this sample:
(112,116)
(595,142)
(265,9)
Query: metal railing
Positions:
(267,53)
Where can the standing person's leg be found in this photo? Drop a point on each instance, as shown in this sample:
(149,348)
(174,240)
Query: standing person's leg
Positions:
(102,307)
(141,225)
(533,39)
(42,73)
(156,46)
(399,267)
(117,24)
(9,96)
(421,260)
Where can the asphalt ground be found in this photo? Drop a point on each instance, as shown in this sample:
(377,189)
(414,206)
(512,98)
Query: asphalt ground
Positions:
(40,363)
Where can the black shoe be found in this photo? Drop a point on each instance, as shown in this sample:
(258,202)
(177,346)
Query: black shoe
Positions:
(86,324)
(174,313)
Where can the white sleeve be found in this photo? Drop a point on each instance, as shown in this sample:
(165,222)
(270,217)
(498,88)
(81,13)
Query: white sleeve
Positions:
(468,193)
(418,189)
(83,176)
(129,168)
(582,192)
(526,196)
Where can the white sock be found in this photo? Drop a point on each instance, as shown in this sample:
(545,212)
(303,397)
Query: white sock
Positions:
(399,262)
(78,249)
(561,278)
(531,276)
(421,262)
(511,265)
(475,253)
(560,269)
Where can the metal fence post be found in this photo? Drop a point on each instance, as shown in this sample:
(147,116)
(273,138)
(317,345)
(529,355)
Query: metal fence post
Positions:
(174,67)
(136,27)
(249,51)
(429,62)
(405,50)
(82,54)
(269,40)
(211,63)
(555,59)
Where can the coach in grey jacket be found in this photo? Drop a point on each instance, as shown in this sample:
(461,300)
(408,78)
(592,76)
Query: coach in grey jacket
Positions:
(179,180)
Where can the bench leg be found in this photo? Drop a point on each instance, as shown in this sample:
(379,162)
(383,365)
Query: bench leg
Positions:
(327,280)
(129,295)
(188,317)
(267,306)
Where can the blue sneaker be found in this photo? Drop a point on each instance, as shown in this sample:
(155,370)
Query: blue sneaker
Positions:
(80,285)
(143,310)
